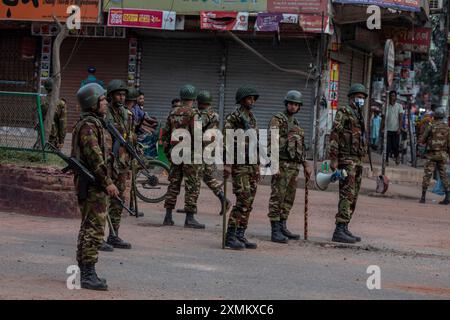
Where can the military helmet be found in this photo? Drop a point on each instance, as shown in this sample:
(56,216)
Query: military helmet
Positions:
(116,85)
(294,96)
(357,88)
(204,97)
(89,94)
(188,92)
(440,113)
(132,94)
(48,85)
(244,92)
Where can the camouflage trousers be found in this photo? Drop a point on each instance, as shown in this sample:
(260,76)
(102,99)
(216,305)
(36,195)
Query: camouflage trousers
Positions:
(115,209)
(284,187)
(192,184)
(430,166)
(348,192)
(208,177)
(93,219)
(244,188)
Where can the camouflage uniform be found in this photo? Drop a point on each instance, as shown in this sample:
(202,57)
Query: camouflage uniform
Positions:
(120,161)
(437,138)
(181,117)
(347,146)
(88,146)
(210,120)
(292,155)
(59,125)
(244,176)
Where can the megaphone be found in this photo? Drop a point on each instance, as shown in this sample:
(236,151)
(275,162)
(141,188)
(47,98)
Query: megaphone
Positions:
(324,179)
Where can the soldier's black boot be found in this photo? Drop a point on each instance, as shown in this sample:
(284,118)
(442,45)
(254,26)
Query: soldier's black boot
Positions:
(422,199)
(89,278)
(231,241)
(190,222)
(339,234)
(287,233)
(358,239)
(446,199)
(116,242)
(226,204)
(240,235)
(277,236)
(168,221)
(106,247)
(81,268)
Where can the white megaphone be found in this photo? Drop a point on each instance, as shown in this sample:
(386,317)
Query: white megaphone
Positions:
(324,179)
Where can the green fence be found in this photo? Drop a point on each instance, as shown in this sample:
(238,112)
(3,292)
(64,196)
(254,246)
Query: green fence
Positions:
(21,121)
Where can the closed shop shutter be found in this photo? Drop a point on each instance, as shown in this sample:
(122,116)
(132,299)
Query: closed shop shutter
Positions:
(108,56)
(351,71)
(168,64)
(243,67)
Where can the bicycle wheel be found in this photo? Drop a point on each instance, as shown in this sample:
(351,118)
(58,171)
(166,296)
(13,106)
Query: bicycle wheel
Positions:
(152,188)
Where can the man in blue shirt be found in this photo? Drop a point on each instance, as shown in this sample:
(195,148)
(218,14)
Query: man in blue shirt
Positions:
(91,78)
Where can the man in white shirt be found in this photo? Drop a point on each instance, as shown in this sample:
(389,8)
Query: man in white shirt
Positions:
(394,118)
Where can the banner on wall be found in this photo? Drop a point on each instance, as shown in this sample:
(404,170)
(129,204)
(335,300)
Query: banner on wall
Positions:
(140,18)
(224,20)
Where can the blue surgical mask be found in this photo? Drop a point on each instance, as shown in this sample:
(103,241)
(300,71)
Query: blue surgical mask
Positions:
(359,102)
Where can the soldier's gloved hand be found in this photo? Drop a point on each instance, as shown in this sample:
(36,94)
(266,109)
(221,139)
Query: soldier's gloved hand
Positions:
(112,191)
(226,170)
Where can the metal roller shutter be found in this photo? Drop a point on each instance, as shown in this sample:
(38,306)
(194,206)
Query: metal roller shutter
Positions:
(243,67)
(168,64)
(108,56)
(351,71)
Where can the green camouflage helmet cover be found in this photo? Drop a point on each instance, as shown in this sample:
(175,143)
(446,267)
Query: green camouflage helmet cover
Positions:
(48,85)
(132,94)
(204,97)
(188,92)
(89,94)
(244,92)
(116,85)
(357,88)
(293,96)
(440,113)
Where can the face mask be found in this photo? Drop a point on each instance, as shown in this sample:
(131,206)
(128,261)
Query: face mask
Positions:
(359,102)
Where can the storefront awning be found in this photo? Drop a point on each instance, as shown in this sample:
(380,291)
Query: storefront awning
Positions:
(405,5)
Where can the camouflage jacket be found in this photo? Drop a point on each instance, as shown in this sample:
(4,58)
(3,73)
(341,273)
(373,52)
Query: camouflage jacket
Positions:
(182,117)
(347,138)
(210,120)
(122,119)
(89,147)
(292,137)
(243,119)
(59,125)
(437,139)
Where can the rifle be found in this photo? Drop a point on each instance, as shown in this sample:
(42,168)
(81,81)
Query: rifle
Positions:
(120,141)
(86,177)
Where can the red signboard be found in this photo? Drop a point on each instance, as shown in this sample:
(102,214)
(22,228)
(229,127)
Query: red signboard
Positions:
(297,6)
(224,20)
(139,18)
(417,40)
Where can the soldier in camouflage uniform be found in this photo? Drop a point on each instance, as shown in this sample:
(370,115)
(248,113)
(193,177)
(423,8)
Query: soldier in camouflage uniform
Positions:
(244,176)
(119,158)
(347,148)
(291,156)
(210,120)
(89,147)
(59,125)
(182,117)
(436,141)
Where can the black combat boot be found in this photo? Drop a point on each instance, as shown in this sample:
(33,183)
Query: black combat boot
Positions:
(116,242)
(347,232)
(190,222)
(89,278)
(226,204)
(231,241)
(287,233)
(80,266)
(424,192)
(446,199)
(277,236)
(240,235)
(340,235)
(106,247)
(168,221)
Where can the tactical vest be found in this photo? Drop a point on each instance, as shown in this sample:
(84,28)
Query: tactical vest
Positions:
(292,144)
(438,138)
(351,139)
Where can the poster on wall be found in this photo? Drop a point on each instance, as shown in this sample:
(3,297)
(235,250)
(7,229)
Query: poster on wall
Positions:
(333,85)
(224,20)
(140,18)
(297,6)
